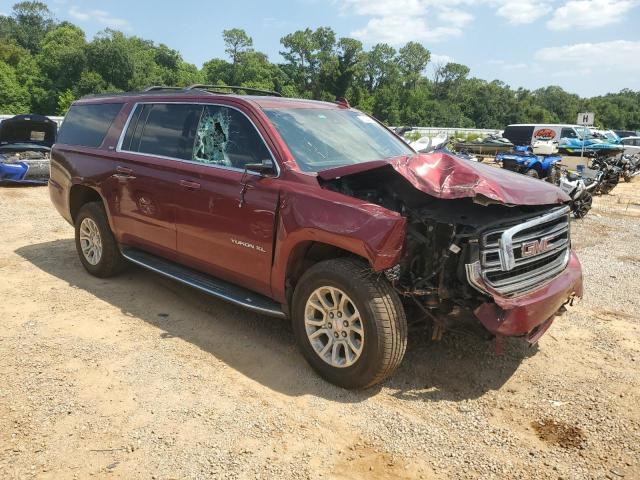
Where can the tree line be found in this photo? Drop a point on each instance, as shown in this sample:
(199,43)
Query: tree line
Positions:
(46,64)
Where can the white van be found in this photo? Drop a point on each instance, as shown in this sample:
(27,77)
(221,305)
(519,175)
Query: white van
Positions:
(527,133)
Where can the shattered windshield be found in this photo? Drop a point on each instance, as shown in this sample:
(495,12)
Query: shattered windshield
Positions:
(320,138)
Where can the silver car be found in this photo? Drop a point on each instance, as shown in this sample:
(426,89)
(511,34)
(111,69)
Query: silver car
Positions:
(631,145)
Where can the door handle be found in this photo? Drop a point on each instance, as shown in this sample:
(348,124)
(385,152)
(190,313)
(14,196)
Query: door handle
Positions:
(123,173)
(189,185)
(124,170)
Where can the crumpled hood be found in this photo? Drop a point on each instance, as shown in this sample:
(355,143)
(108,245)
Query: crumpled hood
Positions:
(443,175)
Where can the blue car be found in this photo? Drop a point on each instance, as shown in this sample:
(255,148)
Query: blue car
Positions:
(522,160)
(25,145)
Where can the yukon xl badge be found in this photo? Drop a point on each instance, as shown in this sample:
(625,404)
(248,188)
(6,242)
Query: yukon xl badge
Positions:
(535,247)
(240,243)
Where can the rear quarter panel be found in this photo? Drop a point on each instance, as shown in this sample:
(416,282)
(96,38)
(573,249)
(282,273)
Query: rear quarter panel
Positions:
(77,166)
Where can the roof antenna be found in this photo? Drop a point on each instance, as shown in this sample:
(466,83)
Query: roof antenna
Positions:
(343,102)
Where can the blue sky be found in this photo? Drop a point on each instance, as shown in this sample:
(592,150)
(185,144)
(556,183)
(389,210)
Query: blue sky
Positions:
(588,47)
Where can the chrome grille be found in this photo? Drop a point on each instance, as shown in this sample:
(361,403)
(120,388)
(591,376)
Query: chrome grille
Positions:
(516,259)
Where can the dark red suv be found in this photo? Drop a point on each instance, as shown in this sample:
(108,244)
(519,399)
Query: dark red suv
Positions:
(312,211)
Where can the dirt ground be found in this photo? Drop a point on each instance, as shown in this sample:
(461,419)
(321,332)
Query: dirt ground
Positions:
(139,377)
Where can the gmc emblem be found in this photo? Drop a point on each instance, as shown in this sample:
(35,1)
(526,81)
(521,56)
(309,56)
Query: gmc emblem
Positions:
(535,247)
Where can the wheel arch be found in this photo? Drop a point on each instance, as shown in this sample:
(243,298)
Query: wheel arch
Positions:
(79,195)
(307,253)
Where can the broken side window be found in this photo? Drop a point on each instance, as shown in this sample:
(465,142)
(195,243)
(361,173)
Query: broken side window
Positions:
(212,137)
(226,137)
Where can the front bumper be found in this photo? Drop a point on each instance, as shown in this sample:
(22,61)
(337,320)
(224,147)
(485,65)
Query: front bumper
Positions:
(531,314)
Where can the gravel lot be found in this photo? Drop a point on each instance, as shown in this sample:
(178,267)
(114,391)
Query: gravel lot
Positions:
(139,377)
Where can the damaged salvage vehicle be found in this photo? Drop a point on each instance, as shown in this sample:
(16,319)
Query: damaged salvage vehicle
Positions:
(25,146)
(315,212)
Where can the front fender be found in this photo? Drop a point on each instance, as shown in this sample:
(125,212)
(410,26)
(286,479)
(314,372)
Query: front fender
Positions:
(310,214)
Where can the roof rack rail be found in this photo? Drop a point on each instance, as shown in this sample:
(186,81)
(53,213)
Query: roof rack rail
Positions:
(199,86)
(161,87)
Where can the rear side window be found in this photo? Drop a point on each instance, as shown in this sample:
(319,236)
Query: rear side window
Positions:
(87,125)
(519,134)
(167,130)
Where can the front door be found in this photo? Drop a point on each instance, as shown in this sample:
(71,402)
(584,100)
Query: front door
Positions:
(225,215)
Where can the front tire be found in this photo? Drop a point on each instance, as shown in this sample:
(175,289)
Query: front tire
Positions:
(532,172)
(349,323)
(95,243)
(583,205)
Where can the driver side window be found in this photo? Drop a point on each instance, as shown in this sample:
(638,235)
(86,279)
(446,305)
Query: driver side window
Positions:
(226,137)
(568,133)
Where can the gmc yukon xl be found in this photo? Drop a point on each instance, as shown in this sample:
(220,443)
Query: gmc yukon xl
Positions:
(315,212)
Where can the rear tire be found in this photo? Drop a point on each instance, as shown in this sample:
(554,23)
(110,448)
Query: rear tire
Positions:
(95,243)
(532,172)
(349,323)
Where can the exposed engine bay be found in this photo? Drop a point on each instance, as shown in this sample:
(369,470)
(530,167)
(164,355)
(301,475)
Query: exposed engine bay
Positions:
(25,166)
(25,146)
(442,237)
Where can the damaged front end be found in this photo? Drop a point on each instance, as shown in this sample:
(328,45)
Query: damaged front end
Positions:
(468,253)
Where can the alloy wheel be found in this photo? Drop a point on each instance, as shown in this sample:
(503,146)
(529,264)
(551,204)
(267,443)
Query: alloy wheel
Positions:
(334,326)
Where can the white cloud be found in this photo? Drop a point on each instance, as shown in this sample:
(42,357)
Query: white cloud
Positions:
(590,13)
(382,8)
(617,56)
(441,59)
(406,20)
(100,16)
(434,20)
(454,16)
(514,66)
(397,30)
(519,12)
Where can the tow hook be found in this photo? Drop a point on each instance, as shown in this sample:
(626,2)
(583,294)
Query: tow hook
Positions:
(438,331)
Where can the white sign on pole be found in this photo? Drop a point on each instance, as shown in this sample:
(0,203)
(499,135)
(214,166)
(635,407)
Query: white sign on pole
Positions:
(586,118)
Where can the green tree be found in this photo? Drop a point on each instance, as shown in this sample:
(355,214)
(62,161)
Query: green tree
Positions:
(299,47)
(448,79)
(62,57)
(108,55)
(65,99)
(217,71)
(30,23)
(14,97)
(413,59)
(236,43)
(379,66)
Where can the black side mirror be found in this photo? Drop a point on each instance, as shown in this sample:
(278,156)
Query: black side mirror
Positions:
(264,168)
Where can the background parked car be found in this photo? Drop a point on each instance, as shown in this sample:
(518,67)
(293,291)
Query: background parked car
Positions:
(25,145)
(626,133)
(631,145)
(526,134)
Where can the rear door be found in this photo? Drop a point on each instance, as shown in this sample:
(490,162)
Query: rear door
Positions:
(158,138)
(225,215)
